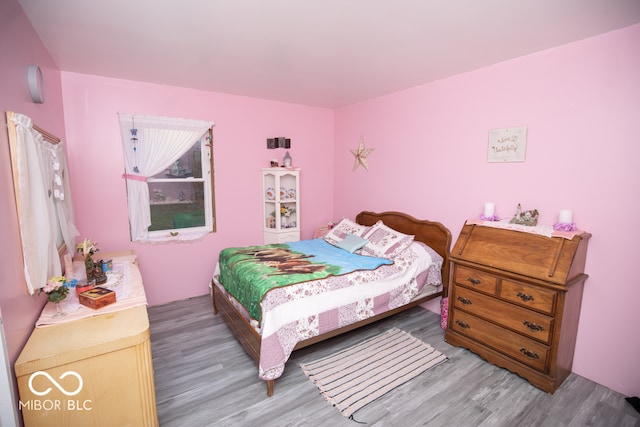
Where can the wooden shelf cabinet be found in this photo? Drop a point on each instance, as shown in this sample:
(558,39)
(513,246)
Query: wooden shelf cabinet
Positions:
(515,300)
(281,204)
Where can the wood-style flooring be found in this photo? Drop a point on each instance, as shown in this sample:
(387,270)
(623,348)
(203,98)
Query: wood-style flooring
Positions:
(203,377)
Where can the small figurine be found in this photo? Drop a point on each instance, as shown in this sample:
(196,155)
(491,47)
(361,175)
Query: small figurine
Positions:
(99,274)
(529,218)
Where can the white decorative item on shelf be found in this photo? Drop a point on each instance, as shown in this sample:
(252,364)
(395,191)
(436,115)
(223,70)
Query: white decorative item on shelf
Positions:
(286,161)
(281,208)
(270,194)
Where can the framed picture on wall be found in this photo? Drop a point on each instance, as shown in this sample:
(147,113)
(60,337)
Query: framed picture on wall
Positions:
(507,145)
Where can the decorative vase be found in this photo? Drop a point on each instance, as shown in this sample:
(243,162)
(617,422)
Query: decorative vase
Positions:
(286,160)
(89,266)
(84,286)
(59,312)
(56,298)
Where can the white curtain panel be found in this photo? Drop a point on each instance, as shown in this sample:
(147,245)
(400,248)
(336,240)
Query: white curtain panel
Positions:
(58,179)
(37,219)
(161,141)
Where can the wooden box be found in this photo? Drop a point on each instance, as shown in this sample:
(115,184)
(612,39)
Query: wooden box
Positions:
(97,297)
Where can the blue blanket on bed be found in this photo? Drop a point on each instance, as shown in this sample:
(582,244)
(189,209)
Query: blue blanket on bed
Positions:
(248,273)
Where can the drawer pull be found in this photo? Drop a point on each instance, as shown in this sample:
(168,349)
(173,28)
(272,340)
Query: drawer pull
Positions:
(533,327)
(530,354)
(463,325)
(474,281)
(525,297)
(465,301)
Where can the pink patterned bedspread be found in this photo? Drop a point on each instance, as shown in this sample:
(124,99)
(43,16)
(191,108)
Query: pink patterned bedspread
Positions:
(295,313)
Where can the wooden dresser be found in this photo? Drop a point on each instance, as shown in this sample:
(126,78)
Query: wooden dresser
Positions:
(515,300)
(94,371)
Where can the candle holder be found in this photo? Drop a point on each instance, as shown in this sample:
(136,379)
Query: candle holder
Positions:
(489,212)
(565,226)
(489,218)
(565,221)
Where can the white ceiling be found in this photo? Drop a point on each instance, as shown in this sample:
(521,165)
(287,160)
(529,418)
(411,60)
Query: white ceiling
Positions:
(326,53)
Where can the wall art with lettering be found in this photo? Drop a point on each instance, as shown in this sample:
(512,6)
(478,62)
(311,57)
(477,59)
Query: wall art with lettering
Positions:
(507,145)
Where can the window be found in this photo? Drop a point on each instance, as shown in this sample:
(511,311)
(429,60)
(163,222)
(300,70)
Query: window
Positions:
(178,196)
(169,177)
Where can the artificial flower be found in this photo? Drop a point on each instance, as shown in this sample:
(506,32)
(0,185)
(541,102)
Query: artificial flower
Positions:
(287,210)
(87,248)
(56,289)
(565,226)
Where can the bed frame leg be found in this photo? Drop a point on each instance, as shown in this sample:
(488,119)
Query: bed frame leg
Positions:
(270,386)
(213,298)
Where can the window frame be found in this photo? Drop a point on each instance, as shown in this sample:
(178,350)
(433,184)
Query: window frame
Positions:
(206,163)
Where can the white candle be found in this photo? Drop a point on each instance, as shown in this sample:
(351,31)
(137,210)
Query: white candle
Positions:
(565,217)
(489,209)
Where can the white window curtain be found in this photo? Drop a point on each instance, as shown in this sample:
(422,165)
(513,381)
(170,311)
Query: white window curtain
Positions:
(44,202)
(160,141)
(59,181)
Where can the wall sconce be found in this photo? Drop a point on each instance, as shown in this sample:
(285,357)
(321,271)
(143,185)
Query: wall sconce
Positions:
(279,142)
(36,84)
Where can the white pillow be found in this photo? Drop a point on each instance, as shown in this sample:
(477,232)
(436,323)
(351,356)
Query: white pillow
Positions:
(341,229)
(385,242)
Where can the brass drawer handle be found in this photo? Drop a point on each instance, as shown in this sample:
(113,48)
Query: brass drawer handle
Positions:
(533,327)
(463,325)
(474,281)
(525,297)
(465,301)
(530,354)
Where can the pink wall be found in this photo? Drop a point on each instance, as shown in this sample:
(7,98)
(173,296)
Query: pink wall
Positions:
(181,270)
(581,103)
(19,47)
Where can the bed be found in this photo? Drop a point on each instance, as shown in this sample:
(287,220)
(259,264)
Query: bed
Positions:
(287,318)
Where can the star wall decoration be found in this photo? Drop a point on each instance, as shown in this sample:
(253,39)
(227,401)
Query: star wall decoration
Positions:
(361,155)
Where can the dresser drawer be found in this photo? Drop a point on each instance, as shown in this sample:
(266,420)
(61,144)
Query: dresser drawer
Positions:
(529,296)
(516,346)
(475,279)
(528,322)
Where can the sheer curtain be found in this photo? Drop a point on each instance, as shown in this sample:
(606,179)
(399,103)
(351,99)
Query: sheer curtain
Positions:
(159,142)
(43,198)
(58,179)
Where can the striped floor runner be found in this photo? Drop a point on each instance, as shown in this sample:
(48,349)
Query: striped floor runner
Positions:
(353,378)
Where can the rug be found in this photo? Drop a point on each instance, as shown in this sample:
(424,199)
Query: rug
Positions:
(358,375)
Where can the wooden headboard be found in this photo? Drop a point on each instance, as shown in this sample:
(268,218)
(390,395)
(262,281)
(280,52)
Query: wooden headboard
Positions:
(434,234)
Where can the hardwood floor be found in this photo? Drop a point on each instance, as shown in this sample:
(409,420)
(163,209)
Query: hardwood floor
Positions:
(203,377)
